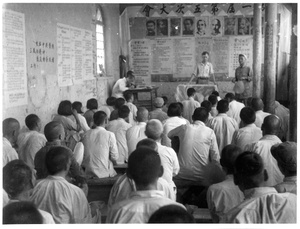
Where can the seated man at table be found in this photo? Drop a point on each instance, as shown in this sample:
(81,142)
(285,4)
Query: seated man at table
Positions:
(190,104)
(123,84)
(158,112)
(144,167)
(100,149)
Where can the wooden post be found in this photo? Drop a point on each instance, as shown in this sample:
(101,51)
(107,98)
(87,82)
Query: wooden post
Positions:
(257,50)
(293,80)
(270,57)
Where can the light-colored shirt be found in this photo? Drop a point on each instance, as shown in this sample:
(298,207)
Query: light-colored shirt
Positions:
(214,112)
(263,148)
(222,197)
(189,107)
(203,70)
(159,114)
(30,144)
(139,207)
(224,128)
(260,116)
(264,205)
(64,201)
(198,147)
(289,184)
(83,123)
(133,111)
(119,88)
(119,127)
(134,134)
(100,149)
(170,163)
(246,135)
(169,124)
(9,153)
(235,108)
(124,186)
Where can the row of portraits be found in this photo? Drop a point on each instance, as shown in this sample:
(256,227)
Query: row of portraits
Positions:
(201,26)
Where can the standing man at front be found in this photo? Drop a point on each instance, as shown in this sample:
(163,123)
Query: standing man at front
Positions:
(123,84)
(203,71)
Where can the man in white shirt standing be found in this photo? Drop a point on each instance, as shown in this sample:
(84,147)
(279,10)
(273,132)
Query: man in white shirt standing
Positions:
(100,148)
(235,107)
(190,104)
(123,84)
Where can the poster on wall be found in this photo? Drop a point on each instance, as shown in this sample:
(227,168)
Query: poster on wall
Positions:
(220,54)
(14,59)
(76,46)
(87,55)
(239,45)
(162,56)
(202,45)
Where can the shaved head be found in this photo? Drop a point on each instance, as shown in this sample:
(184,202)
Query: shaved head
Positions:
(154,129)
(257,104)
(54,131)
(10,130)
(270,125)
(142,114)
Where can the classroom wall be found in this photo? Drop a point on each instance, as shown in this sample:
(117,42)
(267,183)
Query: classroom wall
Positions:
(44,94)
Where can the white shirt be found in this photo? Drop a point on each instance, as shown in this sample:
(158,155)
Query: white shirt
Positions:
(263,148)
(169,124)
(189,107)
(29,145)
(139,207)
(9,153)
(84,126)
(264,205)
(119,127)
(246,135)
(198,147)
(260,116)
(234,111)
(170,163)
(203,70)
(63,200)
(134,134)
(124,186)
(289,184)
(222,197)
(119,88)
(133,111)
(224,128)
(100,148)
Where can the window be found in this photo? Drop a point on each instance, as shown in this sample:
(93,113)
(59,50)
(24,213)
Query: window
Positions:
(100,43)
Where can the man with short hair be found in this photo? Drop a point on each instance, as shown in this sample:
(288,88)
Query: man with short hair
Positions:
(190,104)
(235,107)
(158,113)
(123,84)
(262,204)
(213,99)
(10,131)
(100,149)
(136,133)
(129,98)
(258,105)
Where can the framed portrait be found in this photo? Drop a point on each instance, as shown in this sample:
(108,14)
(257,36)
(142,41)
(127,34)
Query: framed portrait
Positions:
(175,26)
(244,25)
(201,27)
(162,27)
(150,28)
(230,26)
(188,26)
(216,26)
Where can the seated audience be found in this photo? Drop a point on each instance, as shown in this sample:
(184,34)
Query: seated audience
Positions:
(119,127)
(171,214)
(262,204)
(283,114)
(206,104)
(165,106)
(78,107)
(100,149)
(118,103)
(10,131)
(213,99)
(235,107)
(249,133)
(109,107)
(18,184)
(137,132)
(133,109)
(258,106)
(158,113)
(31,141)
(144,167)
(286,157)
(223,196)
(216,93)
(190,104)
(92,107)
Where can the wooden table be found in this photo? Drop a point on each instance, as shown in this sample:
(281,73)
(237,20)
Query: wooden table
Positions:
(144,103)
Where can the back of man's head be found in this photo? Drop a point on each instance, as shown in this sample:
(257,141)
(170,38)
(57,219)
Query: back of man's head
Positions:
(200,114)
(154,129)
(92,104)
(9,127)
(54,131)
(190,92)
(206,104)
(21,212)
(123,112)
(17,178)
(229,155)
(247,115)
(171,214)
(119,102)
(128,95)
(110,101)
(222,106)
(130,74)
(147,142)
(257,104)
(99,118)
(144,166)
(229,97)
(142,114)
(174,110)
(270,125)
(65,108)
(58,159)
(77,106)
(216,93)
(213,99)
(32,121)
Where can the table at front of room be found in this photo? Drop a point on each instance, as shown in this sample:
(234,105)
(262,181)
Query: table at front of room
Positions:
(148,103)
(202,91)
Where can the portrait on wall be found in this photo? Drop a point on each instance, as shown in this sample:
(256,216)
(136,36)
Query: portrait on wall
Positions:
(201,26)
(244,26)
(150,28)
(175,26)
(216,26)
(230,26)
(188,26)
(162,27)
